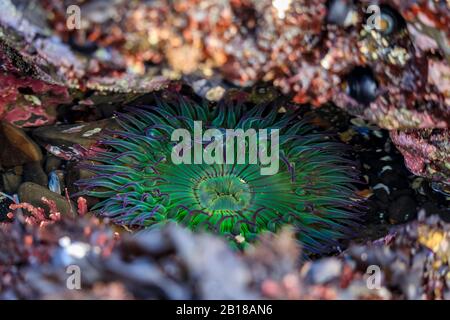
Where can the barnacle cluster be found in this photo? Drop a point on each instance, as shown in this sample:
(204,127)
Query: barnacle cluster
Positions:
(142,186)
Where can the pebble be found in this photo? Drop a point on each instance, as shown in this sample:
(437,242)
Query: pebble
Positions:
(16,148)
(402,209)
(382,186)
(74,173)
(32,193)
(392,178)
(11,182)
(33,172)
(52,163)
(324,271)
(382,196)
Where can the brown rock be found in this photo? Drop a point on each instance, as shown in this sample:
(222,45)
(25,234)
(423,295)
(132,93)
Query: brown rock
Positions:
(11,182)
(75,173)
(52,163)
(84,134)
(33,172)
(16,148)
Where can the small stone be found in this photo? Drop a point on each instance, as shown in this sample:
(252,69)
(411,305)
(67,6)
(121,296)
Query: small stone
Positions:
(382,186)
(11,182)
(378,134)
(382,195)
(392,178)
(52,163)
(402,209)
(385,168)
(74,173)
(338,12)
(324,271)
(16,148)
(215,94)
(33,172)
(32,193)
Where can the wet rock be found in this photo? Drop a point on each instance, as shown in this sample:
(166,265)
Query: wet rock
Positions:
(16,148)
(33,172)
(432,208)
(11,182)
(75,173)
(426,152)
(219,274)
(174,263)
(362,85)
(151,243)
(382,198)
(324,271)
(84,134)
(394,179)
(402,209)
(32,193)
(52,163)
(338,11)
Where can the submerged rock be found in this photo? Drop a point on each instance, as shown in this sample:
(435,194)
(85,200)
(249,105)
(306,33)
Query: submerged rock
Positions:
(67,136)
(426,152)
(32,193)
(16,148)
(411,262)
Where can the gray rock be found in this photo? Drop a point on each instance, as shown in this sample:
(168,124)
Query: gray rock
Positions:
(219,273)
(52,163)
(324,271)
(32,193)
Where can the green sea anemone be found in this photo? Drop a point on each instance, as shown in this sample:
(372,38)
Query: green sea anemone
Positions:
(141,186)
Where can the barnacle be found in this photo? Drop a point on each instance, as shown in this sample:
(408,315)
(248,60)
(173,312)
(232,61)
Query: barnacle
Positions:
(141,186)
(390,20)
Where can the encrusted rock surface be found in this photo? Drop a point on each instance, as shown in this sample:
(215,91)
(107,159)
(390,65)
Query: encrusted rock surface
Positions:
(301,47)
(426,152)
(396,77)
(410,263)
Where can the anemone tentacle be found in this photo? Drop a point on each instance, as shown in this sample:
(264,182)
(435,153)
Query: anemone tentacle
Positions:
(140,185)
